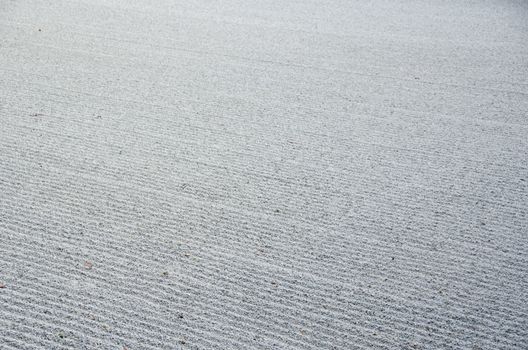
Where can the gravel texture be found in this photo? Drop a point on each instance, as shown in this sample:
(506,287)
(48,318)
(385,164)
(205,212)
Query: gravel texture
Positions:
(263,174)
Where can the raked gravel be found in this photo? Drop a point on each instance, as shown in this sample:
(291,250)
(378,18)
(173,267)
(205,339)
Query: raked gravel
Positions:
(263,174)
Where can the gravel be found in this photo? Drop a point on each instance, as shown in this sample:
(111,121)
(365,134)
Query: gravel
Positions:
(263,174)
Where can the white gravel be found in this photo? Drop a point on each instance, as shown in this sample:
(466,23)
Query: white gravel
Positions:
(263,174)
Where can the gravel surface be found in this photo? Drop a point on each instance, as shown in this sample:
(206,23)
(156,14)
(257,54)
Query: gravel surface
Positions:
(263,174)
